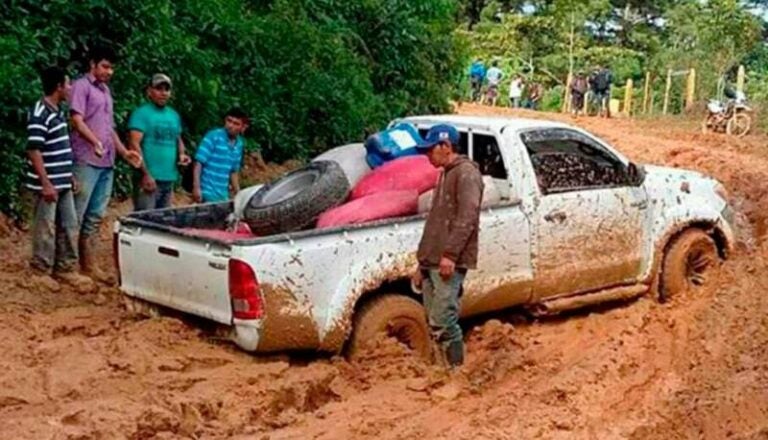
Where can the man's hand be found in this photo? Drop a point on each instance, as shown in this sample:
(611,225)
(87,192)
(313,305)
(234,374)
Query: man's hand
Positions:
(148,184)
(98,149)
(49,193)
(447,267)
(133,158)
(197,195)
(184,160)
(75,186)
(417,279)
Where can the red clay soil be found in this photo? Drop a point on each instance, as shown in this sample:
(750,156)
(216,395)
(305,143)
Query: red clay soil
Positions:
(75,365)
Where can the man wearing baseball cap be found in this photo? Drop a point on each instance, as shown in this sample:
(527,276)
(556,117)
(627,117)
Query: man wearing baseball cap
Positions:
(449,243)
(155,132)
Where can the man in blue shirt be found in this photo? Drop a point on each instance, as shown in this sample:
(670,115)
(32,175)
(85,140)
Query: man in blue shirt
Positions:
(219,158)
(476,77)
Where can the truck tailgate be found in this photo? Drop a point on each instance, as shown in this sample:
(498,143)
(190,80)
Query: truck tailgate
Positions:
(175,271)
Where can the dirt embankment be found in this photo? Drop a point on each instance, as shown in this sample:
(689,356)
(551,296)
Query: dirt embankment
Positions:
(77,366)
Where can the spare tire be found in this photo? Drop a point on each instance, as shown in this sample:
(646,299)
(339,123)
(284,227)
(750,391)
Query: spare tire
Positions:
(295,200)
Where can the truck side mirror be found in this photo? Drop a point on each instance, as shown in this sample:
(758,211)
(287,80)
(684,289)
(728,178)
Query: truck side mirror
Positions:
(636,174)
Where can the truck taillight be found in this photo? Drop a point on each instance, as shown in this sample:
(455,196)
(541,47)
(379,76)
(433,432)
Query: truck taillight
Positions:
(244,291)
(116,255)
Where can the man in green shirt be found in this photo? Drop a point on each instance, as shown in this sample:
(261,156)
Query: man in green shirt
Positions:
(155,131)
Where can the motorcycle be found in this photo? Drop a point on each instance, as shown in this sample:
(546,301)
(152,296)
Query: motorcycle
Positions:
(730,117)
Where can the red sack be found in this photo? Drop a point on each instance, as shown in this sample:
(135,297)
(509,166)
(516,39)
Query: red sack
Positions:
(413,173)
(385,204)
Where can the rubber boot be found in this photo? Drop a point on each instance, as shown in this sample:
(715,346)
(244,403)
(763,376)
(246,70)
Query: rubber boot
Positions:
(454,354)
(88,261)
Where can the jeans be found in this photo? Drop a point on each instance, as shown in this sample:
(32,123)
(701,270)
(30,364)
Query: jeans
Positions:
(92,199)
(441,301)
(158,199)
(54,232)
(514,101)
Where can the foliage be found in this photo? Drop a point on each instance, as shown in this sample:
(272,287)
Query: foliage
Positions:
(312,74)
(631,37)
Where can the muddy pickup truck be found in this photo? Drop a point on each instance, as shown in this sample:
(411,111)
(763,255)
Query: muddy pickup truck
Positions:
(577,224)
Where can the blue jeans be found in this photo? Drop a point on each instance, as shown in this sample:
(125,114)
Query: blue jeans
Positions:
(441,301)
(158,199)
(92,199)
(54,232)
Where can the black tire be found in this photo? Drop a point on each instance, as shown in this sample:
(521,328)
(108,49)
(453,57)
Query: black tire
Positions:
(395,315)
(295,200)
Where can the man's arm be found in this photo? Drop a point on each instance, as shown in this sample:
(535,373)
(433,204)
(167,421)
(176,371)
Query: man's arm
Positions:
(234,182)
(133,157)
(469,198)
(197,194)
(36,131)
(148,183)
(82,128)
(49,192)
(184,159)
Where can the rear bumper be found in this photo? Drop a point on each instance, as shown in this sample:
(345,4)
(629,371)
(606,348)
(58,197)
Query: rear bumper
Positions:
(245,333)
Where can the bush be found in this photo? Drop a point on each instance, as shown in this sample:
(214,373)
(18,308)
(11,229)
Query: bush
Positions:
(312,74)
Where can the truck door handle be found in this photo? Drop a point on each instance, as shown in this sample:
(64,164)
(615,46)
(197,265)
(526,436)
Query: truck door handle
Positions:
(168,251)
(642,204)
(555,216)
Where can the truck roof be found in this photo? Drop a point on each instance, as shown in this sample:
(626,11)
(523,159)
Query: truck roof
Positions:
(490,123)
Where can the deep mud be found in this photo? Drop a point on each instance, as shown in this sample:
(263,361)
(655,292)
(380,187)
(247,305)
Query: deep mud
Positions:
(77,366)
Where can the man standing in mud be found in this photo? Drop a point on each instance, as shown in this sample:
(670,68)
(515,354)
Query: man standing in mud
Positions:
(155,131)
(449,243)
(50,182)
(95,144)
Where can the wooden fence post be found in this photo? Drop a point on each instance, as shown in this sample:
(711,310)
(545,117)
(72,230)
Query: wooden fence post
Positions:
(646,89)
(628,91)
(567,98)
(666,92)
(690,90)
(740,79)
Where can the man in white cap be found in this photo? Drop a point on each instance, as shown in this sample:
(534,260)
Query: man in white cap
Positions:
(155,132)
(449,243)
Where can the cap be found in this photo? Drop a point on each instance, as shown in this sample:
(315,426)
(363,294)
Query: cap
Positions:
(160,78)
(439,133)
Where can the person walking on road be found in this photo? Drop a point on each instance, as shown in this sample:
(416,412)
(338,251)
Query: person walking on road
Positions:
(51,183)
(155,132)
(95,144)
(449,243)
(534,96)
(579,87)
(219,158)
(515,91)
(600,83)
(476,77)
(494,77)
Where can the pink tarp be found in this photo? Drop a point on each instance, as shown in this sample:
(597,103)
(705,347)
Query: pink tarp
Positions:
(380,205)
(413,173)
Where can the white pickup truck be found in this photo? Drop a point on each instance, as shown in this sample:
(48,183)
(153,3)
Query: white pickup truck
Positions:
(577,224)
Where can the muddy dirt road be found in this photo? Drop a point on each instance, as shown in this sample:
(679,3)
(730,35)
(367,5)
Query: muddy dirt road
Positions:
(75,365)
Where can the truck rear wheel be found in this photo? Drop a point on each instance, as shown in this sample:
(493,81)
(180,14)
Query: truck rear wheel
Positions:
(690,261)
(394,315)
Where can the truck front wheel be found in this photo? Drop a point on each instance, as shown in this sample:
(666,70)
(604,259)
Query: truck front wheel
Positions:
(690,261)
(395,316)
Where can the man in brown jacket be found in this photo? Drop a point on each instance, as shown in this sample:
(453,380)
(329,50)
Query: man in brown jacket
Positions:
(449,244)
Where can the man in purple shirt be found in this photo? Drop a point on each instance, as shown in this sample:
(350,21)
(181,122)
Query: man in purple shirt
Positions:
(95,144)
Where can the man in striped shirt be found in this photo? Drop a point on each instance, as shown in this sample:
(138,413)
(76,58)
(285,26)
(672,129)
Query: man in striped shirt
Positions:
(55,225)
(219,159)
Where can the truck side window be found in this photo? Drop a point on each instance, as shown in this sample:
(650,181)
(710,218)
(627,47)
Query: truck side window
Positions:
(488,157)
(566,163)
